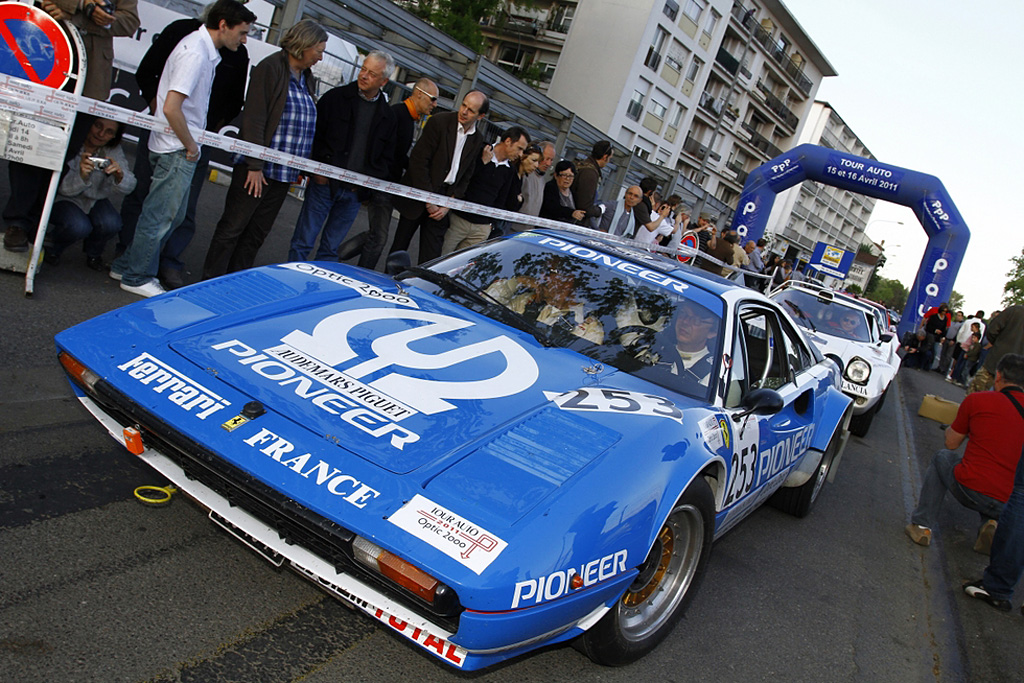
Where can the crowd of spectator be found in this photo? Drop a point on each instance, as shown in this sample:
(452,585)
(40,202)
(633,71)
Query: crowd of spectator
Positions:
(195,76)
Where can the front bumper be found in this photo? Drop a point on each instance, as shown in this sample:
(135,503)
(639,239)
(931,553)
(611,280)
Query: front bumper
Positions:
(481,639)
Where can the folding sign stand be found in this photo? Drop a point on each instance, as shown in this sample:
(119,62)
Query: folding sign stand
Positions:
(36,47)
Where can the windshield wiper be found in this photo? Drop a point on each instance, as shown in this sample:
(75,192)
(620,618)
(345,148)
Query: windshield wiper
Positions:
(460,285)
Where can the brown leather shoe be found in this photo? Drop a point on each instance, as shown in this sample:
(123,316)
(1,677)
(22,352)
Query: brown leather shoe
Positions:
(920,535)
(15,239)
(984,543)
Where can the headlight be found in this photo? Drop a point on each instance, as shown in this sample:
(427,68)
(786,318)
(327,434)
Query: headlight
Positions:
(81,374)
(416,581)
(858,370)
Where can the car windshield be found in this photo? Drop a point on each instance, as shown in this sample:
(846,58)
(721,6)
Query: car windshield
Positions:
(825,315)
(614,310)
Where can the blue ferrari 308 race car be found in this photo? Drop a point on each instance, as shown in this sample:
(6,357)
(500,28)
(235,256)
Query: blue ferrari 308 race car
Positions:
(531,441)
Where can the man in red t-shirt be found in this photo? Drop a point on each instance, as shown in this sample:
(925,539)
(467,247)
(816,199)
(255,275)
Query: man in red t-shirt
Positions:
(982,478)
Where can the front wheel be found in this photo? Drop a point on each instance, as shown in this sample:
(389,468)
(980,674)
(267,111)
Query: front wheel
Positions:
(799,500)
(666,582)
(860,424)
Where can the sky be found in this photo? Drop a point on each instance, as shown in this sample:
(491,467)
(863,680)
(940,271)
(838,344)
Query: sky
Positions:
(934,86)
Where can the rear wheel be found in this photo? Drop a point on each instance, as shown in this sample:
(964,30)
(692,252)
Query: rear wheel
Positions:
(668,578)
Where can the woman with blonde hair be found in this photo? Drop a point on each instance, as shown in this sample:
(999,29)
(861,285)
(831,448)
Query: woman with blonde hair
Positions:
(280,113)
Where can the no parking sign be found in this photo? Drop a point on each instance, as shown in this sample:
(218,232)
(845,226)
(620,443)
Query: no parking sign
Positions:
(689,239)
(33,46)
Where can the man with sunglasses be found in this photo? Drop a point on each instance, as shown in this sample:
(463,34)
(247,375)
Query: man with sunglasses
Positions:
(442,162)
(410,115)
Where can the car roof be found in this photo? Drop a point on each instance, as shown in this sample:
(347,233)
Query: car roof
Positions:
(627,248)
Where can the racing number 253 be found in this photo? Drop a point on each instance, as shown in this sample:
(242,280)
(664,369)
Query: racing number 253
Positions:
(742,473)
(612,400)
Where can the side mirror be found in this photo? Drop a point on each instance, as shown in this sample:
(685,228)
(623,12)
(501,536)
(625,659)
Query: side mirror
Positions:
(760,402)
(351,247)
(397,262)
(886,337)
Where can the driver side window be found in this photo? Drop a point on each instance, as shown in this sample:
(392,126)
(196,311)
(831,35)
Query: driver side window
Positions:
(765,350)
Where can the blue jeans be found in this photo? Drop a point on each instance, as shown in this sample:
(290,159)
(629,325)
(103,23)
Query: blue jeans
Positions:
(337,207)
(68,224)
(1007,559)
(131,206)
(939,479)
(163,210)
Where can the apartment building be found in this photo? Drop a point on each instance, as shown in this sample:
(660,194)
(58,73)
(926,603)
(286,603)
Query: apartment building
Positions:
(527,39)
(709,88)
(812,212)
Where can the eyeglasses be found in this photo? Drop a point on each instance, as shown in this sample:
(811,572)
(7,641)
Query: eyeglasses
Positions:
(696,317)
(566,175)
(433,98)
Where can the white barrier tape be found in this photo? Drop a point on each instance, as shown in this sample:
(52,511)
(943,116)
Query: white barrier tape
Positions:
(29,98)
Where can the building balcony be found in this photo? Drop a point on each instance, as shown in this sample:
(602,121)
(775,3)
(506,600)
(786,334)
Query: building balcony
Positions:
(712,105)
(727,61)
(778,107)
(741,175)
(761,143)
(745,16)
(692,147)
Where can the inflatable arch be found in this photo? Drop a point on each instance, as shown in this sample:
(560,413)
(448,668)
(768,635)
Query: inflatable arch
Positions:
(947,233)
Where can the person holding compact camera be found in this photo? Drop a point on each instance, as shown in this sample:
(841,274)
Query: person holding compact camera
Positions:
(82,209)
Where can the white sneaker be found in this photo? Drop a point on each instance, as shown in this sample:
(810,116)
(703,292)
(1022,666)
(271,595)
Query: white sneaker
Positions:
(146,289)
(114,275)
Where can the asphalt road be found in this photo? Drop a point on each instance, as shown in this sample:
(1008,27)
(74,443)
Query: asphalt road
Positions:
(95,586)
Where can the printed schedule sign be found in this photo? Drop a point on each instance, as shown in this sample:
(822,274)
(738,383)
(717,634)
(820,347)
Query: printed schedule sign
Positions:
(34,123)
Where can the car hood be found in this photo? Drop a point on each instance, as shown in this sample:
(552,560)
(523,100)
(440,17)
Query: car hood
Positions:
(404,381)
(878,356)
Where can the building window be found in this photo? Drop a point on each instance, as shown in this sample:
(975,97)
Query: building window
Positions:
(671,9)
(513,58)
(657,47)
(677,116)
(712,22)
(642,153)
(636,106)
(658,110)
(694,8)
(561,18)
(694,70)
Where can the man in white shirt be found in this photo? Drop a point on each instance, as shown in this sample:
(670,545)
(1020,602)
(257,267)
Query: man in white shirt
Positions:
(183,98)
(442,161)
(661,222)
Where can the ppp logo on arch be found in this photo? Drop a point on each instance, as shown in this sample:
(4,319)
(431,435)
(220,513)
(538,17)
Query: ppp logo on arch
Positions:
(330,344)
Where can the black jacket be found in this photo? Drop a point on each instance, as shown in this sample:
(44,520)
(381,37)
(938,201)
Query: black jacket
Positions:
(335,127)
(228,91)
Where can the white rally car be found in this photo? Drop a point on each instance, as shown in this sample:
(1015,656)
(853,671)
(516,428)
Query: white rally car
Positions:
(847,332)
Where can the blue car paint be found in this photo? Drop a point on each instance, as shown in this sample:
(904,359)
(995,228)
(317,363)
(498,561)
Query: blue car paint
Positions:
(593,515)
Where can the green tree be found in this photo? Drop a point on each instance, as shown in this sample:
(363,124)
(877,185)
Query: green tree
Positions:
(956,301)
(892,293)
(458,18)
(1013,291)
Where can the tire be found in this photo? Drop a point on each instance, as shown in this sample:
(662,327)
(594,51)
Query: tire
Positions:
(798,500)
(668,579)
(860,424)
(881,399)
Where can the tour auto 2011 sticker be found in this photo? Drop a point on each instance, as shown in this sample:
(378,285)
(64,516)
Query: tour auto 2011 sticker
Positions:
(465,542)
